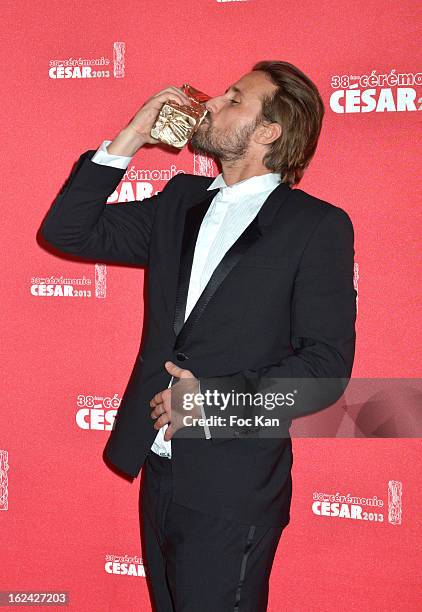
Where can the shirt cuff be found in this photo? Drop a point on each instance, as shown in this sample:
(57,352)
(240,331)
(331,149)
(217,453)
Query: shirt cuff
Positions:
(201,407)
(104,158)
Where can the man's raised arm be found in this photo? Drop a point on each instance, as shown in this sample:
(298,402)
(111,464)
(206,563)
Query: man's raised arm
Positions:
(81,223)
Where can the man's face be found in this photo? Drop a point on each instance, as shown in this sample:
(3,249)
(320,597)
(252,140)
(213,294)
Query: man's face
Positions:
(233,117)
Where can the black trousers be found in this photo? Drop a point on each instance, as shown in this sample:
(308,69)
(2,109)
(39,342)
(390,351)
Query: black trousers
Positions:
(196,562)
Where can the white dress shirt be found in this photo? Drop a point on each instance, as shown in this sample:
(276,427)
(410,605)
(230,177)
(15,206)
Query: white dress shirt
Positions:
(230,212)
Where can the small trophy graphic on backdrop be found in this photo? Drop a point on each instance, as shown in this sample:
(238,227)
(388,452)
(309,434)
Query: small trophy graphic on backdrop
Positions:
(119,49)
(100,281)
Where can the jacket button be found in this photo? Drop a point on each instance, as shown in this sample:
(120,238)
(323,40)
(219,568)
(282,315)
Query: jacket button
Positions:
(181,356)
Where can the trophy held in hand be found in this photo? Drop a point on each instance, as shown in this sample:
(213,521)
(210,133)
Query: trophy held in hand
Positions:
(176,123)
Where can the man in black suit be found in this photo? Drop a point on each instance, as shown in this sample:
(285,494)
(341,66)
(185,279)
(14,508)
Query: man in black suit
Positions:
(248,280)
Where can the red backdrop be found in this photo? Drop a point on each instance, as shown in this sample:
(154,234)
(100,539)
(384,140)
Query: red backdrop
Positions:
(74,74)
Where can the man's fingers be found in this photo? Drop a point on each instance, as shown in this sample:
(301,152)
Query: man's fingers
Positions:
(175,94)
(168,434)
(160,397)
(158,410)
(161,421)
(177,371)
(180,93)
(173,369)
(155,400)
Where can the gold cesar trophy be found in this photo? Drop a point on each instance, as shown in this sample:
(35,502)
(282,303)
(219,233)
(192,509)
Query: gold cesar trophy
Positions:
(176,123)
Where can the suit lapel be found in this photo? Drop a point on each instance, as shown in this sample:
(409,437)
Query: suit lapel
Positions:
(249,236)
(193,220)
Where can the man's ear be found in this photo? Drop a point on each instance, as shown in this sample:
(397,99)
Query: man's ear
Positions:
(267,132)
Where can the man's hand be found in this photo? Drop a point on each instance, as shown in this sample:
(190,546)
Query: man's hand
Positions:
(162,410)
(137,132)
(146,116)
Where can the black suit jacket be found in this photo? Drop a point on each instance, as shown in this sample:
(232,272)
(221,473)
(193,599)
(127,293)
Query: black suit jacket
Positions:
(281,303)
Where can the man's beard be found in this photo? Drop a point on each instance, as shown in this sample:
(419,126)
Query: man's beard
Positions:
(225,146)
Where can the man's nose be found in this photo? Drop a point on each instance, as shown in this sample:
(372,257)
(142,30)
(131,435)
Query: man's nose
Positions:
(212,104)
